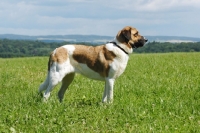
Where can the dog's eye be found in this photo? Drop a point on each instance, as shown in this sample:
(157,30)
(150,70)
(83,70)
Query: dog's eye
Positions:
(136,34)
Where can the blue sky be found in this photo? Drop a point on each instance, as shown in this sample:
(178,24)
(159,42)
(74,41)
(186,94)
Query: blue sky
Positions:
(100,17)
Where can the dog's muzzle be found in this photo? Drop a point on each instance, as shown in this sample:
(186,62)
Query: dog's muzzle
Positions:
(140,43)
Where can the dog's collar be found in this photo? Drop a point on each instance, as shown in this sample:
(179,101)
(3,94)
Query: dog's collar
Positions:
(119,47)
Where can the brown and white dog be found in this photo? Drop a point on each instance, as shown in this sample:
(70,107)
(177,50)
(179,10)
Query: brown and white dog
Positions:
(105,63)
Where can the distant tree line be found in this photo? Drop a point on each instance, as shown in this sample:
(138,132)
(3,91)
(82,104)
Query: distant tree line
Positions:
(164,47)
(27,48)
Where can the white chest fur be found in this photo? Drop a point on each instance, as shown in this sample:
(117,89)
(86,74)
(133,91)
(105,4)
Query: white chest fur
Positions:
(119,64)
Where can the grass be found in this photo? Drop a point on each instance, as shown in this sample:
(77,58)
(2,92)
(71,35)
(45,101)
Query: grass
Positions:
(156,93)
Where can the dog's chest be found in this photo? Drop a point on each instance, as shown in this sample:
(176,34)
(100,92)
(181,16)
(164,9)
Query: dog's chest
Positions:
(118,66)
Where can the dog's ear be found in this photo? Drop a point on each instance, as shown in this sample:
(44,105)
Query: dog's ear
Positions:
(127,34)
(124,35)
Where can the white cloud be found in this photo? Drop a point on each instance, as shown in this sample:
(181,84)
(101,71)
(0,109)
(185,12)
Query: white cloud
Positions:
(151,17)
(156,5)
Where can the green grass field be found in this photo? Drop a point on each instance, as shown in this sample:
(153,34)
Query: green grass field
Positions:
(156,93)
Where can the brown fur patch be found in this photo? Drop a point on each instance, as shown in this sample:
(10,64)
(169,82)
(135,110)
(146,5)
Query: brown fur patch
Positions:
(59,56)
(96,58)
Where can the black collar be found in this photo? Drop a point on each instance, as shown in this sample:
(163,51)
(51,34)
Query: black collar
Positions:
(119,47)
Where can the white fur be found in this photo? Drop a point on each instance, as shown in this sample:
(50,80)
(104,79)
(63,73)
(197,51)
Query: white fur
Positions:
(87,72)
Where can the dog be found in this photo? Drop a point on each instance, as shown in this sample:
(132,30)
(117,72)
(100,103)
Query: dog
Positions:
(105,63)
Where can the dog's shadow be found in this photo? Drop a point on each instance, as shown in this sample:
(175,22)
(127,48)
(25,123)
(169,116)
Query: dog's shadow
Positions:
(38,97)
(77,102)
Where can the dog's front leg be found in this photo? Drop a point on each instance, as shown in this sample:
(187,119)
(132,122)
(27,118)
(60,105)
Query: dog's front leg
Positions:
(108,91)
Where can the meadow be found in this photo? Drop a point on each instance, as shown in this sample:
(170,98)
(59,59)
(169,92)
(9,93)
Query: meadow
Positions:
(156,93)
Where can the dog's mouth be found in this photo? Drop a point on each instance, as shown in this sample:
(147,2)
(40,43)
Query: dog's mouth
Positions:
(140,43)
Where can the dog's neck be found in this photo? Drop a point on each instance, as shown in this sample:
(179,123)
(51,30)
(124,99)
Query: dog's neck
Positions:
(119,47)
(123,46)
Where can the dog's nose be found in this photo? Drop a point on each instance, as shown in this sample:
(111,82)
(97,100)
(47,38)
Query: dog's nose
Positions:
(145,39)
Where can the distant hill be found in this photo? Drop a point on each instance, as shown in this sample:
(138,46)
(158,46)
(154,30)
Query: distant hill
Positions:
(26,48)
(173,39)
(93,38)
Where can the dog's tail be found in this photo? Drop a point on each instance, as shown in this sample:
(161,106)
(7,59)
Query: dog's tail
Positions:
(45,84)
(50,62)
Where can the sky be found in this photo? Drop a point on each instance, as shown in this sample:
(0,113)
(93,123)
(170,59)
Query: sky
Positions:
(100,17)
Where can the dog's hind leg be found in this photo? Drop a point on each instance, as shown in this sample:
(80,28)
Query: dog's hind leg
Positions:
(53,81)
(54,78)
(65,83)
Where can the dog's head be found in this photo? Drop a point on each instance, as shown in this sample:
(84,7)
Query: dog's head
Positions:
(131,37)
